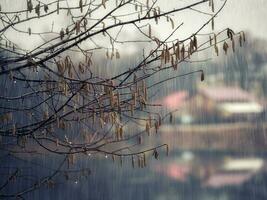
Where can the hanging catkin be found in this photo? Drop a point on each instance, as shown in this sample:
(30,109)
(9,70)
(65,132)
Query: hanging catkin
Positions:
(147,128)
(210,40)
(178,51)
(29,6)
(14,129)
(104,3)
(132,161)
(240,40)
(46,8)
(202,77)
(233,45)
(172,23)
(212,23)
(167,150)
(58,7)
(62,34)
(81,5)
(149,31)
(225,47)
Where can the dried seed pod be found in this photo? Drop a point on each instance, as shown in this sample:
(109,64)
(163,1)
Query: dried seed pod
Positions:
(81,5)
(134,98)
(144,159)
(140,139)
(159,120)
(172,23)
(195,42)
(139,162)
(104,34)
(156,126)
(46,115)
(29,31)
(67,31)
(189,52)
(155,16)
(81,68)
(107,54)
(78,27)
(171,118)
(121,161)
(133,161)
(216,50)
(162,56)
(240,40)
(14,129)
(85,22)
(132,109)
(215,39)
(101,121)
(117,54)
(212,23)
(62,34)
(225,47)
(46,8)
(167,150)
(150,121)
(183,52)
(174,63)
(243,36)
(230,33)
(212,6)
(202,78)
(233,45)
(147,128)
(58,122)
(29,6)
(178,51)
(104,3)
(121,132)
(210,39)
(149,31)
(58,7)
(156,154)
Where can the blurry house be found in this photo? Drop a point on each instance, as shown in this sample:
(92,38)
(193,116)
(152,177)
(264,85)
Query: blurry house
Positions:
(226,103)
(178,101)
(235,172)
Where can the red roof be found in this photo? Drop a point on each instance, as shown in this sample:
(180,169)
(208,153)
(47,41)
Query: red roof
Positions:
(175,100)
(226,94)
(228,179)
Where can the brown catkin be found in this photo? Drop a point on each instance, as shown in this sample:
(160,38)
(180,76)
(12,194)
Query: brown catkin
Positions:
(225,47)
(172,23)
(14,129)
(240,40)
(104,3)
(233,45)
(132,161)
(81,5)
(149,31)
(202,77)
(147,128)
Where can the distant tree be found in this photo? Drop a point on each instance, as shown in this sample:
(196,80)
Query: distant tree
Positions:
(56,99)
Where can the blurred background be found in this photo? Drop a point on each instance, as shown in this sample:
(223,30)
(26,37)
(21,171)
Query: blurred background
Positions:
(217,138)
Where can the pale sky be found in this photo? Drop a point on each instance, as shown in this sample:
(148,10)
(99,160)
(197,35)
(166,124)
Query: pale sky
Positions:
(247,15)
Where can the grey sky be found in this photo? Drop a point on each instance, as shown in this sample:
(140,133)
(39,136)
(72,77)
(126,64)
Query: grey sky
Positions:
(245,15)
